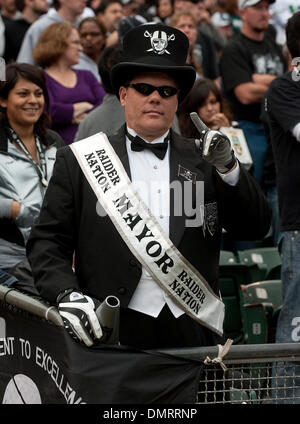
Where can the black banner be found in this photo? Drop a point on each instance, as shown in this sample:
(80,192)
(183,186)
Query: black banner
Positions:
(41,364)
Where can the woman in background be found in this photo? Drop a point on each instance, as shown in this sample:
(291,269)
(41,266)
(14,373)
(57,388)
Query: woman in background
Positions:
(92,35)
(27,156)
(72,92)
(186,22)
(164,11)
(205,99)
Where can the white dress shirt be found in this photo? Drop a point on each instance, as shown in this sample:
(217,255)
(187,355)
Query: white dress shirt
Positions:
(151,178)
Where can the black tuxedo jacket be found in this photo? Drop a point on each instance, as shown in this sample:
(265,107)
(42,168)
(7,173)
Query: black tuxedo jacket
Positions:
(104,264)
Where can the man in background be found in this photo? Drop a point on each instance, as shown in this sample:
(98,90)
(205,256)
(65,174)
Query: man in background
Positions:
(64,10)
(15,30)
(250,61)
(9,10)
(110,12)
(282,106)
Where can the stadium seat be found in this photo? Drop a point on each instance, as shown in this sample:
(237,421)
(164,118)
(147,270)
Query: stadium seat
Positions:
(233,326)
(255,319)
(269,291)
(246,324)
(267,294)
(266,258)
(227,257)
(231,276)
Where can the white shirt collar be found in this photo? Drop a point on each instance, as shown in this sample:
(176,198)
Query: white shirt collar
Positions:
(156,140)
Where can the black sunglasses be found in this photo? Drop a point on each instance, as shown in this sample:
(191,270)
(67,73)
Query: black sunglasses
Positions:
(145,89)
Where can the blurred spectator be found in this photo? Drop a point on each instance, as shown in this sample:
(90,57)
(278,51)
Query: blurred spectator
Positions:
(93,4)
(127,23)
(282,106)
(206,25)
(86,13)
(15,30)
(27,156)
(281,11)
(222,20)
(249,62)
(109,116)
(202,54)
(205,99)
(186,22)
(110,13)
(130,7)
(147,9)
(64,11)
(210,5)
(164,11)
(226,17)
(72,92)
(204,48)
(92,35)
(8,10)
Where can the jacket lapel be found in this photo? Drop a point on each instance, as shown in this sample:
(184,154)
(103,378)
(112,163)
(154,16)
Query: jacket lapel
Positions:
(182,157)
(118,142)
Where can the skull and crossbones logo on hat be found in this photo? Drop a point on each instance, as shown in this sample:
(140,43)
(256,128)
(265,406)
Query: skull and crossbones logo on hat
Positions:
(159,41)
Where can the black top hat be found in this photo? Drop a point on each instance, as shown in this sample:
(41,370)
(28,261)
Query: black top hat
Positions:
(157,48)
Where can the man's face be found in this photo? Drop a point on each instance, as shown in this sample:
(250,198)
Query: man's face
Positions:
(165,8)
(76,7)
(131,8)
(256,17)
(200,11)
(112,16)
(181,5)
(150,116)
(8,5)
(39,6)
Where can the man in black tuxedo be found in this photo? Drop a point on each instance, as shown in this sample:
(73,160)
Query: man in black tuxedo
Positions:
(192,189)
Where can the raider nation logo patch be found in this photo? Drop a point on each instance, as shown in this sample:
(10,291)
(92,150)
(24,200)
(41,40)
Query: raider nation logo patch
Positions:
(210,218)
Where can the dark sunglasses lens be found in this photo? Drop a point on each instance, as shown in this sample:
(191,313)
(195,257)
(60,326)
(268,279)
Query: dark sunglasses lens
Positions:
(167,91)
(145,89)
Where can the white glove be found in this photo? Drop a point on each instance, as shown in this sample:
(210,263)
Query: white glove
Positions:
(214,146)
(79,317)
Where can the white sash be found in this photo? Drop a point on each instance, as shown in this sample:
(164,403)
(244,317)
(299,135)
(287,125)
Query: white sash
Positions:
(143,234)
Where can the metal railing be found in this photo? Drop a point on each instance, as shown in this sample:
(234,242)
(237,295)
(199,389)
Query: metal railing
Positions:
(256,374)
(253,383)
(31,304)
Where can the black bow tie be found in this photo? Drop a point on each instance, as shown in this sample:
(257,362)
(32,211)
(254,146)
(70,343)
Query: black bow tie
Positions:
(138,144)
